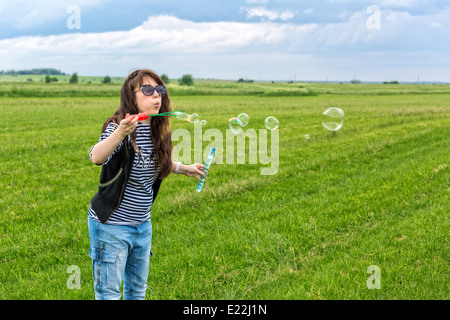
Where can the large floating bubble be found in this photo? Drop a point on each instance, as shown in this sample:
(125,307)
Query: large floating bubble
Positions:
(182,116)
(244,118)
(195,117)
(271,123)
(192,118)
(333,119)
(235,125)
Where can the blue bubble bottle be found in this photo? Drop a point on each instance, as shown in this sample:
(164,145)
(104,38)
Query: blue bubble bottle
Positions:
(205,170)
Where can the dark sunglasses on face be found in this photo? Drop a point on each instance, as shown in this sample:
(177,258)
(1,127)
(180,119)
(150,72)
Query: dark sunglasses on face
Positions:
(148,90)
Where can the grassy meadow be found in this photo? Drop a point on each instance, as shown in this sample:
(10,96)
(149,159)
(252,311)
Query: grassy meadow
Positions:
(375,192)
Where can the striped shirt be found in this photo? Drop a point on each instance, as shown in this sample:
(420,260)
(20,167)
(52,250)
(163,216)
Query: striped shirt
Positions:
(136,204)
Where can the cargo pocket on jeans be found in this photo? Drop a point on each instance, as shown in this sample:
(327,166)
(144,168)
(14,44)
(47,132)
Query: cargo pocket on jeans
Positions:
(102,260)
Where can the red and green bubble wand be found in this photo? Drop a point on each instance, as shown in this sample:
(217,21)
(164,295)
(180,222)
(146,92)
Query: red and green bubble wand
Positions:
(144,116)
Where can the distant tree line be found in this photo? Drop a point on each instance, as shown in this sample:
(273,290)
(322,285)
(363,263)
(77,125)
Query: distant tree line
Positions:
(245,80)
(391,82)
(185,80)
(34,71)
(50,73)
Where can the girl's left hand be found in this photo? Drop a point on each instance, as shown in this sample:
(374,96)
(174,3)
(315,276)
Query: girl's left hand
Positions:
(193,170)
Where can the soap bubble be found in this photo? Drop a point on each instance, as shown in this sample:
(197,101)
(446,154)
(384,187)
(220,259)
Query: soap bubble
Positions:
(235,125)
(244,118)
(203,122)
(187,117)
(307,137)
(271,123)
(182,116)
(195,117)
(333,119)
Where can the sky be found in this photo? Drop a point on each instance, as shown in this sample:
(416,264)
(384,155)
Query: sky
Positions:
(300,40)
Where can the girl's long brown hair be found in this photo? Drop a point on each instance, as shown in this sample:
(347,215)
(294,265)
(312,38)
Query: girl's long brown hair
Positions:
(160,126)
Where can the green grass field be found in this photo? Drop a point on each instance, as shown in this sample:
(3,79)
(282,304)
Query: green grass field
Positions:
(374,193)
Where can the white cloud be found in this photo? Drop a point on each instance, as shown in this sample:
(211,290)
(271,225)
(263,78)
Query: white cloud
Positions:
(263,12)
(170,35)
(205,37)
(218,49)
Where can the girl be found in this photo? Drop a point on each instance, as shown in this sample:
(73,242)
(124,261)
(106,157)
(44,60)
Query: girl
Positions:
(135,157)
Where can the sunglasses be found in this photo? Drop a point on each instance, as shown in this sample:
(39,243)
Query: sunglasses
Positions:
(148,90)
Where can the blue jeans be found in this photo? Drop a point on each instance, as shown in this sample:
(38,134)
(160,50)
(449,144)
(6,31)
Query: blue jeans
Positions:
(120,253)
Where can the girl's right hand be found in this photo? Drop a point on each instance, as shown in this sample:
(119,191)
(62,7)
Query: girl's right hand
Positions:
(128,125)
